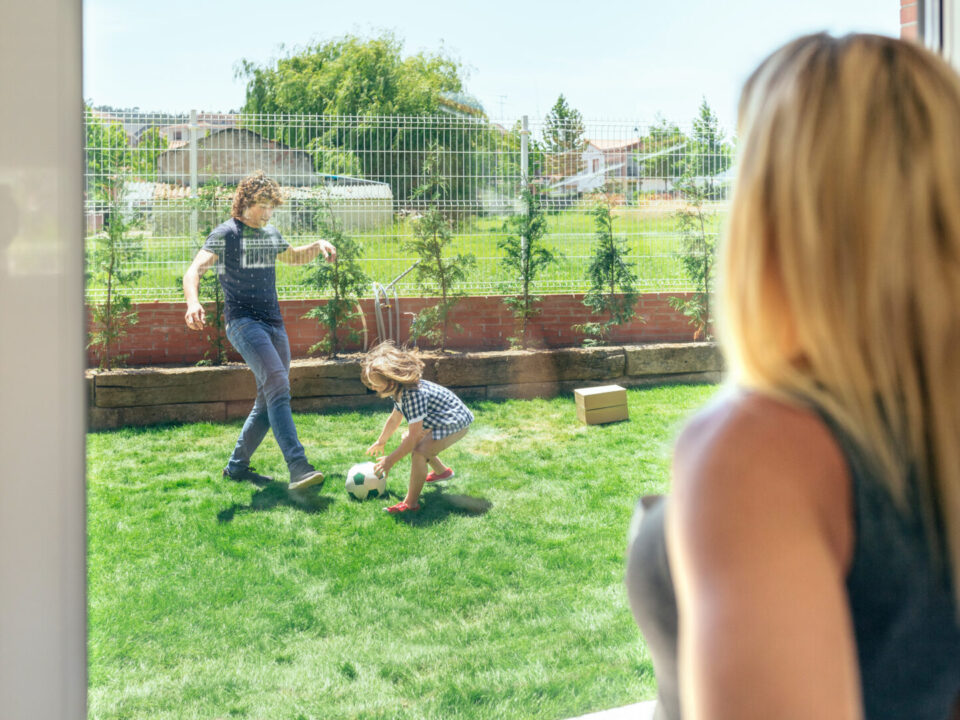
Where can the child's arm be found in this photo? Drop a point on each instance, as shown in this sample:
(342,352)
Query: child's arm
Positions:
(413,436)
(390,427)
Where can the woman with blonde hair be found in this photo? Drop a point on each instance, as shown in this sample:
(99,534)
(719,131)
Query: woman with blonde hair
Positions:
(812,540)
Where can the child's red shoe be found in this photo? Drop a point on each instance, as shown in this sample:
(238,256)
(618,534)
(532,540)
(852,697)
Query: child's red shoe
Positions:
(401,507)
(445,475)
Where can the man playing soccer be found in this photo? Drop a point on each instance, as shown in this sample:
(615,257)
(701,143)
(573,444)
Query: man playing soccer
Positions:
(245,249)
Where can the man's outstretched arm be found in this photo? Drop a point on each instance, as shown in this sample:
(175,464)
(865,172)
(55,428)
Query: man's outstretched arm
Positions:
(305,253)
(195,315)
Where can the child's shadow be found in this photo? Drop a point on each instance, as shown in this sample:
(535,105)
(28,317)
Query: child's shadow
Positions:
(439,505)
(277,494)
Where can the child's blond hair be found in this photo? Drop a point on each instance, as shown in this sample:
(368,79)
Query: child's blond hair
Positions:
(396,368)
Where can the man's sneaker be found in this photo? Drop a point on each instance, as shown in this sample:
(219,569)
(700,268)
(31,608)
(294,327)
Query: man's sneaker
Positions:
(306,479)
(248,474)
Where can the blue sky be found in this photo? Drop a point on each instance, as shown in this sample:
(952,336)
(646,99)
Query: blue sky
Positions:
(613,60)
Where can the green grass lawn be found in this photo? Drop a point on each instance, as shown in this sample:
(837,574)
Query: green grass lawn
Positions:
(502,598)
(652,239)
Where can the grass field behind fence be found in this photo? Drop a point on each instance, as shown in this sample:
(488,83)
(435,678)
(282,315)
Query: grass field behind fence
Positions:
(503,598)
(652,237)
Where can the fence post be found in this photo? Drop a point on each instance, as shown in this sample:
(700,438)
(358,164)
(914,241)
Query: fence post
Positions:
(524,150)
(194,220)
(524,168)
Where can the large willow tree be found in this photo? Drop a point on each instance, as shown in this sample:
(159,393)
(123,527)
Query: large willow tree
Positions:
(360,80)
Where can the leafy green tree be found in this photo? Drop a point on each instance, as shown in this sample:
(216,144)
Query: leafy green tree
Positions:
(698,256)
(343,280)
(500,159)
(437,272)
(208,206)
(152,144)
(108,157)
(363,79)
(427,325)
(612,281)
(708,154)
(111,263)
(663,156)
(333,161)
(525,257)
(563,138)
(351,76)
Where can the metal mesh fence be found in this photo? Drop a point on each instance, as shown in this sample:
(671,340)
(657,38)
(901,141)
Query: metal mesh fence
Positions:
(173,177)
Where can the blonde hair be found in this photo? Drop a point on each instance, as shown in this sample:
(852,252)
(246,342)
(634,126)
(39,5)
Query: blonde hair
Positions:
(394,367)
(255,188)
(841,265)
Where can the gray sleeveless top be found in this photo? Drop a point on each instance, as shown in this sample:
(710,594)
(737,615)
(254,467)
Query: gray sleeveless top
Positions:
(905,622)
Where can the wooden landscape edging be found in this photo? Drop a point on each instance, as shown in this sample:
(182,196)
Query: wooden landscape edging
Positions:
(147,396)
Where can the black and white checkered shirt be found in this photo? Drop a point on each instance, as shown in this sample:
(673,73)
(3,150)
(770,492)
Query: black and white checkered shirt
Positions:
(441,411)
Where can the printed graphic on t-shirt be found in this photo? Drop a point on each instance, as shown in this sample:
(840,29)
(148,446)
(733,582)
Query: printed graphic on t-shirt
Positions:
(259,247)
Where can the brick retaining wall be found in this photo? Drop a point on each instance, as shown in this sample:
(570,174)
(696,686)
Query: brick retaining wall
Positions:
(161,338)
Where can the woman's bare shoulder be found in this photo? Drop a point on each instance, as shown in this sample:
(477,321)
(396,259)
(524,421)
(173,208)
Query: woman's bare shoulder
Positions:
(749,432)
(758,536)
(749,454)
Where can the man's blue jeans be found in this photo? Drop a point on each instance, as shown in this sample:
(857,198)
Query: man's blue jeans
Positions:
(266,350)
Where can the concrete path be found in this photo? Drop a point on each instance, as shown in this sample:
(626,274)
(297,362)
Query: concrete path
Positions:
(639,711)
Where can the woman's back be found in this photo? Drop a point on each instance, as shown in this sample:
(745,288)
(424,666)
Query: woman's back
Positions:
(901,600)
(811,572)
(791,518)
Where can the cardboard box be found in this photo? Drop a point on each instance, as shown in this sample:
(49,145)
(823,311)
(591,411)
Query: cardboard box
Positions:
(607,403)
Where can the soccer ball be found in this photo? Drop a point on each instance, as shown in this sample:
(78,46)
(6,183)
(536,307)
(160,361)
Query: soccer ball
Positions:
(363,482)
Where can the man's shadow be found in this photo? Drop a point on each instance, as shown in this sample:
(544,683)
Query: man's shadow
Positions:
(437,505)
(277,494)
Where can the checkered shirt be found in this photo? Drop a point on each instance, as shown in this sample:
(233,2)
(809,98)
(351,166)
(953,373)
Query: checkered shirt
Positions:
(442,412)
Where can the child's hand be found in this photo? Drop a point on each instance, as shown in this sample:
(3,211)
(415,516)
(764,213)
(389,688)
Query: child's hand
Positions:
(376,449)
(382,466)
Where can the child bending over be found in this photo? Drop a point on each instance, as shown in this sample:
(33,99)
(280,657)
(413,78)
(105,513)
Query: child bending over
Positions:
(436,418)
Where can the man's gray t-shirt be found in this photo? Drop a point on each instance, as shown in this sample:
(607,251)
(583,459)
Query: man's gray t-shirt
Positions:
(246,268)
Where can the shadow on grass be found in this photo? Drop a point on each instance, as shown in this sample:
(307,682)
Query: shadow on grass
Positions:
(437,505)
(276,494)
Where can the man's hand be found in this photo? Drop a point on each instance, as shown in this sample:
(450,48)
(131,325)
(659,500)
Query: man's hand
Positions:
(328,251)
(195,316)
(376,449)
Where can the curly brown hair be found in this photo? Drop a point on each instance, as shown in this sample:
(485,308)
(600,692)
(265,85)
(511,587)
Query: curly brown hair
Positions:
(255,188)
(396,368)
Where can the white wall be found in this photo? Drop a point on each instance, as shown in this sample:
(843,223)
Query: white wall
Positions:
(949,14)
(42,510)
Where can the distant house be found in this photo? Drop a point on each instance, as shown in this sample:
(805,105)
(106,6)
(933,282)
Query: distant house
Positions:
(230,154)
(618,163)
(130,124)
(175,128)
(617,158)
(178,134)
(602,161)
(227,155)
(106,118)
